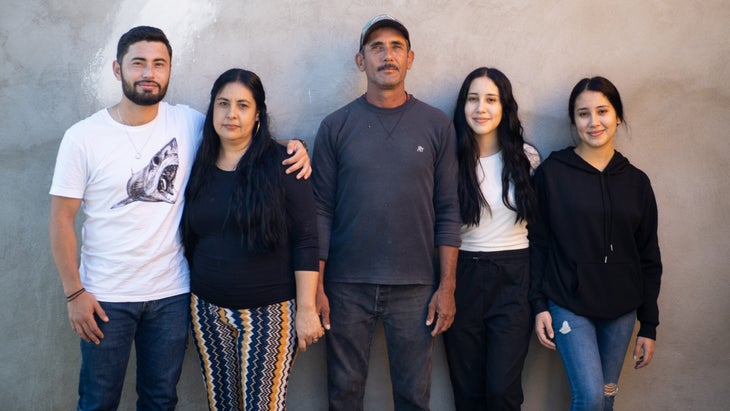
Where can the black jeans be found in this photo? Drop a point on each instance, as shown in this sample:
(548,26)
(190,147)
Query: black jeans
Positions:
(487,344)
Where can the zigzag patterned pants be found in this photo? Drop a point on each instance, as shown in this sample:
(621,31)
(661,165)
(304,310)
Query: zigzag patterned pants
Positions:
(246,355)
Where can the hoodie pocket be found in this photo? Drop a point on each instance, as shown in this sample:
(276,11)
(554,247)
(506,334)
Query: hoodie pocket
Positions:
(608,290)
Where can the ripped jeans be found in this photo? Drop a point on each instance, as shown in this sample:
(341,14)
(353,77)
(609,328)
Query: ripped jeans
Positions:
(593,353)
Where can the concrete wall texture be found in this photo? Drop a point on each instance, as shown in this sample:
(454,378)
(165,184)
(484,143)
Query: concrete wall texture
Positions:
(670,59)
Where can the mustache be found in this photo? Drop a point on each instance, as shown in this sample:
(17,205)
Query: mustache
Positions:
(148,81)
(388,67)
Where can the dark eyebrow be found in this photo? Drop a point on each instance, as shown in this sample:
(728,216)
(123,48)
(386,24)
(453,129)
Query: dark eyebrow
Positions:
(398,43)
(162,59)
(381,43)
(240,100)
(588,108)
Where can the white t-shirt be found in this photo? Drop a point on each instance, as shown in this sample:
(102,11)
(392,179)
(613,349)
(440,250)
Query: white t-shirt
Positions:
(497,231)
(130,248)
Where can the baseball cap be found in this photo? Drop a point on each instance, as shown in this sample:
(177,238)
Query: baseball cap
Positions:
(380,21)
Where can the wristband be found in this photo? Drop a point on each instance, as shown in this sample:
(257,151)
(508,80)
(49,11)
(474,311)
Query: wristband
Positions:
(75,295)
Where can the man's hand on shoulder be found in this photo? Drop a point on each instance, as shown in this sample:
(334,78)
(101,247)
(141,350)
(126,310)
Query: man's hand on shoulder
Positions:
(299,161)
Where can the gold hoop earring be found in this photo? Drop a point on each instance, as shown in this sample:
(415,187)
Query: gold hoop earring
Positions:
(258,127)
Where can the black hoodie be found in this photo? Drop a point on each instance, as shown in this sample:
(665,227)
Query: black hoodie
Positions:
(594,248)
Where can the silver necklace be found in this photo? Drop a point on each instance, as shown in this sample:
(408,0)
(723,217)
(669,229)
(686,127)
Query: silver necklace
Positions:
(137,152)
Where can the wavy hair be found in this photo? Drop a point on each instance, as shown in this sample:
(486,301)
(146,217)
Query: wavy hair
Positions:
(516,168)
(257,203)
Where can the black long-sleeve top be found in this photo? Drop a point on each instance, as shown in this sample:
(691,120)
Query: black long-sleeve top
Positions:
(224,271)
(594,248)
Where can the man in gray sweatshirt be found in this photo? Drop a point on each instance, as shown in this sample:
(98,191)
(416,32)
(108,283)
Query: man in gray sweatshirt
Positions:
(385,180)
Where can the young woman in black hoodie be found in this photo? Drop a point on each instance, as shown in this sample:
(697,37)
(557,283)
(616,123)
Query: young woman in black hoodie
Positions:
(595,262)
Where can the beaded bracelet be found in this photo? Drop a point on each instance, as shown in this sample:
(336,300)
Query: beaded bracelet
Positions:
(75,295)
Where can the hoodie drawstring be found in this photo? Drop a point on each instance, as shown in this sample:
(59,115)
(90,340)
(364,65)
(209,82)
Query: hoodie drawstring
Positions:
(607,216)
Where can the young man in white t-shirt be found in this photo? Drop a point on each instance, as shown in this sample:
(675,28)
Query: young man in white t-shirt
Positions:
(126,167)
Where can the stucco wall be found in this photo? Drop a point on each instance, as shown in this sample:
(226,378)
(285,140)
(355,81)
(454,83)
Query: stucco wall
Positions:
(668,58)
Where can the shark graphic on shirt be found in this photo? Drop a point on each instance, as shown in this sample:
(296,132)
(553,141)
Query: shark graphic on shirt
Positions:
(155,182)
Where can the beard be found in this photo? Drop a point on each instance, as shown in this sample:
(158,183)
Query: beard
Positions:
(143,99)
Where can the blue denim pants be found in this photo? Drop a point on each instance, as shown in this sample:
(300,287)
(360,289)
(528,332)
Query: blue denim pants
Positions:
(593,353)
(158,329)
(354,311)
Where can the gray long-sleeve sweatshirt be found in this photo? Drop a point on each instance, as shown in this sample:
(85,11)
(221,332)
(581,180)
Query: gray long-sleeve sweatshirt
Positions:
(385,184)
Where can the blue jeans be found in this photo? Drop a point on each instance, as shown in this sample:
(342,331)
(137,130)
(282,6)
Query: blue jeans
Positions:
(593,353)
(159,331)
(354,311)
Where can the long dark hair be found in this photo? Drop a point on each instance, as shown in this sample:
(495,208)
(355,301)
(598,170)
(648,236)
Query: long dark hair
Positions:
(257,203)
(511,141)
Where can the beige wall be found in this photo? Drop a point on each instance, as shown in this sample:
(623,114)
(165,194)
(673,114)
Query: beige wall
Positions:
(668,58)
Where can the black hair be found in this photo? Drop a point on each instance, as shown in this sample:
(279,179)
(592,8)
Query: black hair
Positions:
(257,203)
(511,141)
(601,85)
(141,33)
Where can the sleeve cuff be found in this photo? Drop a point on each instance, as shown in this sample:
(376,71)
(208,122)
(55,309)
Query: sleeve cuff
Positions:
(647,331)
